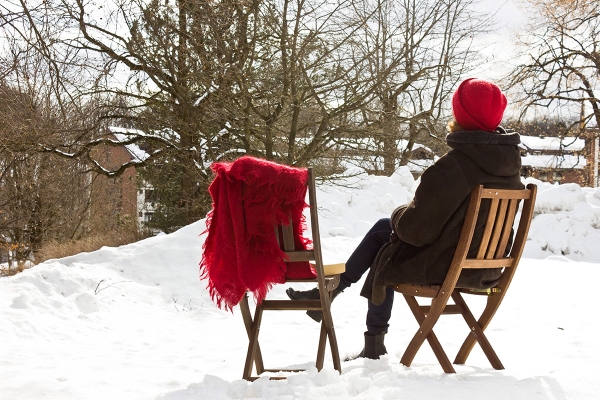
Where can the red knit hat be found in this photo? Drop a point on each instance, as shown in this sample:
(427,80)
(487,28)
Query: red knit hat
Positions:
(478,105)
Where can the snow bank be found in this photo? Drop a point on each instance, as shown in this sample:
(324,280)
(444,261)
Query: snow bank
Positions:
(134,322)
(566,221)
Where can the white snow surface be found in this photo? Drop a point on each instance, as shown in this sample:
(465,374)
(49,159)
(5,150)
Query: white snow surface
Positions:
(135,322)
(552,143)
(564,161)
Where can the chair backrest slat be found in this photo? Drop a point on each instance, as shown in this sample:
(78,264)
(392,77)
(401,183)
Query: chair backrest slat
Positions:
(498,224)
(300,255)
(277,235)
(507,228)
(287,232)
(489,226)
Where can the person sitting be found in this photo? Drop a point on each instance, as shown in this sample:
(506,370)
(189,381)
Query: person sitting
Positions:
(416,244)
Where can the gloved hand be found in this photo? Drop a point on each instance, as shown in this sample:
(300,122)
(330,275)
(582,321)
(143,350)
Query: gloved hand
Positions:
(396,214)
(394,221)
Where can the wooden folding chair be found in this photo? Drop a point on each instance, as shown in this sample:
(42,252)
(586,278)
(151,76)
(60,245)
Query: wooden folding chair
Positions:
(326,285)
(495,239)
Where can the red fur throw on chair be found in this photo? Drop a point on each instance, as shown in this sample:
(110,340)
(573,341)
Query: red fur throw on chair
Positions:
(241,252)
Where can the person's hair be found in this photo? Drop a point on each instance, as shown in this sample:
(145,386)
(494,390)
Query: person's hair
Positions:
(453,126)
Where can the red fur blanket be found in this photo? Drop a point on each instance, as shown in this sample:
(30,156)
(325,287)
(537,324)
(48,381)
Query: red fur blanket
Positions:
(241,252)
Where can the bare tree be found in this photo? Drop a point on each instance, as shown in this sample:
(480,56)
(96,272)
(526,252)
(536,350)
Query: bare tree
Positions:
(560,72)
(427,47)
(204,80)
(42,196)
(302,81)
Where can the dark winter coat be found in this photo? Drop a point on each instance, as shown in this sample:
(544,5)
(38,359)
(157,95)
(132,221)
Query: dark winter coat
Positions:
(429,227)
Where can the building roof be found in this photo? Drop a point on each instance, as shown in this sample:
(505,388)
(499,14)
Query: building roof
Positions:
(565,161)
(552,143)
(122,134)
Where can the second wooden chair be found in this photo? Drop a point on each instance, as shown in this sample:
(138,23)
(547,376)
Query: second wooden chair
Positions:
(491,254)
(325,282)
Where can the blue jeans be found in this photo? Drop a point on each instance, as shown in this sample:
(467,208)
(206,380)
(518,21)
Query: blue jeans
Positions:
(359,262)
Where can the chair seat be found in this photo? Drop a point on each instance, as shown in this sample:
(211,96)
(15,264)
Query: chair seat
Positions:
(330,271)
(331,275)
(334,269)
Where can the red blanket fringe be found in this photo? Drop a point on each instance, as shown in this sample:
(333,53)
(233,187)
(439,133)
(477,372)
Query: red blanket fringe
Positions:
(241,252)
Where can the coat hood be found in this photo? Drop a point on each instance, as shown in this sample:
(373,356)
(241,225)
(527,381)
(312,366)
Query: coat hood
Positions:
(496,152)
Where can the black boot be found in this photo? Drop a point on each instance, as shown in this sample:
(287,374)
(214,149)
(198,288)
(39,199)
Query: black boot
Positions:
(312,294)
(374,347)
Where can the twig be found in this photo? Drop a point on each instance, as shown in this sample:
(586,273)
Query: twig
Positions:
(98,289)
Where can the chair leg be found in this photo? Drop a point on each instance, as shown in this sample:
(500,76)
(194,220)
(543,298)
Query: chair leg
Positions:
(253,345)
(247,317)
(254,355)
(425,332)
(328,331)
(322,343)
(476,334)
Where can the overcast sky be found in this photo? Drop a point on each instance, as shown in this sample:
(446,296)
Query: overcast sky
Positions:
(498,46)
(500,51)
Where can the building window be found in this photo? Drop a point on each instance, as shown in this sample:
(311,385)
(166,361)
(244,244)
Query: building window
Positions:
(149,195)
(526,172)
(557,176)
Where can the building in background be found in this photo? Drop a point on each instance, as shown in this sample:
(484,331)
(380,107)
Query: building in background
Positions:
(561,159)
(144,196)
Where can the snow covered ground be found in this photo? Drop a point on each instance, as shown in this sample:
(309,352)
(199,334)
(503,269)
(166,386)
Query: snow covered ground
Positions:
(134,322)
